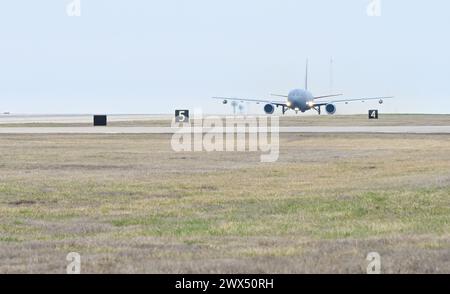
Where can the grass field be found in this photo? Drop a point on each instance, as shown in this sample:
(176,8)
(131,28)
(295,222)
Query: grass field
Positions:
(129,204)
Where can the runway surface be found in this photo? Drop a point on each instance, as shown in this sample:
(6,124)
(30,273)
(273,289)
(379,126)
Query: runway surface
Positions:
(169,130)
(75,119)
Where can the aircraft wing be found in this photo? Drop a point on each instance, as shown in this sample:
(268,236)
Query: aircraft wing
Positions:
(226,99)
(351,100)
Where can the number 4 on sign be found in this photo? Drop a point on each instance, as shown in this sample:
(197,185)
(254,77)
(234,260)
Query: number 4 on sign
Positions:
(373,114)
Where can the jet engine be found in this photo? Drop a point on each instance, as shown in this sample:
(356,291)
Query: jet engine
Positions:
(269,109)
(330,108)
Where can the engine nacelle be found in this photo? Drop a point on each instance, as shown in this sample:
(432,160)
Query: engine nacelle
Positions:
(269,109)
(330,108)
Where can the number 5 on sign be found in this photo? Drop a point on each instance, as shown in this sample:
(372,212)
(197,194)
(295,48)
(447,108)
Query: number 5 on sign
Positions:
(182,116)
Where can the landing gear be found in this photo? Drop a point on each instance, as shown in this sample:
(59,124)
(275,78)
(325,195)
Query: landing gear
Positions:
(318,109)
(285,108)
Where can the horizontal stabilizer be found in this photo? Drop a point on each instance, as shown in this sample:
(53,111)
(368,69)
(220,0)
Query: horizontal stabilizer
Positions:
(328,96)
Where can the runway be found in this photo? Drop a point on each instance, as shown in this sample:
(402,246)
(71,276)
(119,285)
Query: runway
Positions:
(76,119)
(169,130)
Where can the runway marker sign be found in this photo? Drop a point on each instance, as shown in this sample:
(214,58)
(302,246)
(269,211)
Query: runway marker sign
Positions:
(182,116)
(373,114)
(100,120)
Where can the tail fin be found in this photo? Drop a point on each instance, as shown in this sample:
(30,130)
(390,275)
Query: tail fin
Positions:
(306,75)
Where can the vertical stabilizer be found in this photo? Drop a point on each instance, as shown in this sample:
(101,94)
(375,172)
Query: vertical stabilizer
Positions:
(306,75)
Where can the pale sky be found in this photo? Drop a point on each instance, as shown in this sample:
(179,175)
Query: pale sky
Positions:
(148,56)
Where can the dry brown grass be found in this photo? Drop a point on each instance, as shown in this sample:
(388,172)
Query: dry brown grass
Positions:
(128,204)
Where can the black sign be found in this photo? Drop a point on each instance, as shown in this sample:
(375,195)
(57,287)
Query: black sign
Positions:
(373,114)
(182,116)
(100,120)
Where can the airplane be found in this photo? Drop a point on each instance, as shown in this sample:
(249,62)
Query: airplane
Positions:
(302,100)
